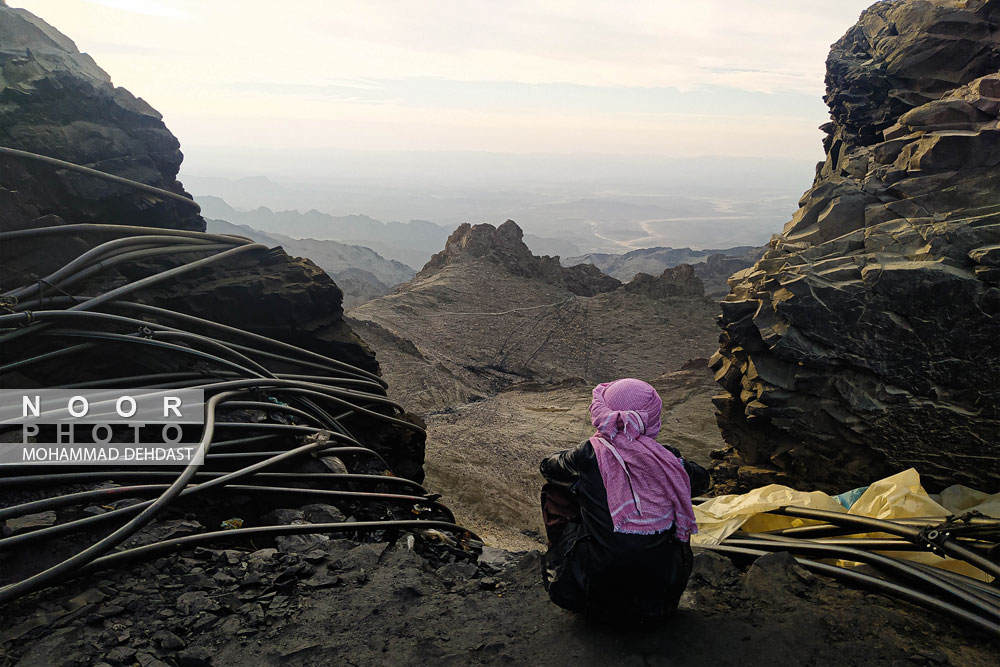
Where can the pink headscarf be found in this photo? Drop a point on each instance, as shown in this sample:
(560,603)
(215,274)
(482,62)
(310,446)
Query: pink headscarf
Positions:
(648,489)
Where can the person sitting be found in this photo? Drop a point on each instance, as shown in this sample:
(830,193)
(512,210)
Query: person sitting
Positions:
(618,512)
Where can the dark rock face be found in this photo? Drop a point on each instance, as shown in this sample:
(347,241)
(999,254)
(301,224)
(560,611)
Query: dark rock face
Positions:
(679,281)
(504,245)
(56,101)
(867,338)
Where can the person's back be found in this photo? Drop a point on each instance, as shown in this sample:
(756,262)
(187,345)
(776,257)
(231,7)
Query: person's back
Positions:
(621,550)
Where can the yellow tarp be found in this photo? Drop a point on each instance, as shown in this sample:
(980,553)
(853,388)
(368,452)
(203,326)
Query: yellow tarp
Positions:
(897,497)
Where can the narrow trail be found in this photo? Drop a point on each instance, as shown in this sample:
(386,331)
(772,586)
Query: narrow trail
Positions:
(508,312)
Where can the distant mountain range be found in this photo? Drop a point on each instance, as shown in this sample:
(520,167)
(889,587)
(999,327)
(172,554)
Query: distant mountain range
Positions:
(367,257)
(411,243)
(360,272)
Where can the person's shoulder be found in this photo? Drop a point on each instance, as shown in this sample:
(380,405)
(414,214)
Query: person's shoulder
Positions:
(585,450)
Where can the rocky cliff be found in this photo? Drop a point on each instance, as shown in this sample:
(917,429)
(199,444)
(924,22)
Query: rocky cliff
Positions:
(867,338)
(56,101)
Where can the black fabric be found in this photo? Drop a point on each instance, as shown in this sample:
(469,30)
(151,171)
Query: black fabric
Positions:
(592,569)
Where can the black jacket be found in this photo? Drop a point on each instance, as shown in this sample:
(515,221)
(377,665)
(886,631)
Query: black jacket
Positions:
(591,567)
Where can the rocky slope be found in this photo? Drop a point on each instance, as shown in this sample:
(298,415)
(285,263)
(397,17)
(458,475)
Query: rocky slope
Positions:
(867,339)
(499,350)
(360,272)
(485,314)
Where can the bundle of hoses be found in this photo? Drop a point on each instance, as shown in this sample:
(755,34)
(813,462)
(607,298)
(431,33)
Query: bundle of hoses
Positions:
(969,538)
(276,420)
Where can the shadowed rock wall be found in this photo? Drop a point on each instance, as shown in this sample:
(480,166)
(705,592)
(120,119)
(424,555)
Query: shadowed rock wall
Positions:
(56,101)
(867,338)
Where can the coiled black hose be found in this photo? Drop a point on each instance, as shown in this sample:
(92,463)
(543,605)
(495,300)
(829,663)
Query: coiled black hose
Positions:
(233,369)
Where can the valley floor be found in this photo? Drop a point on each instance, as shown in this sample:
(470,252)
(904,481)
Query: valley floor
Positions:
(483,456)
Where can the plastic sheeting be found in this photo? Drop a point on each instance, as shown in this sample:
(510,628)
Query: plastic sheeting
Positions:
(899,496)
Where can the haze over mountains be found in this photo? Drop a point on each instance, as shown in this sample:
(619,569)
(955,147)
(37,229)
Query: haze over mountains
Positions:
(614,205)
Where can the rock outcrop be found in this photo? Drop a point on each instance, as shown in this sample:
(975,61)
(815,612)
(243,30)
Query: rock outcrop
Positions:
(504,245)
(679,281)
(867,338)
(57,102)
(713,266)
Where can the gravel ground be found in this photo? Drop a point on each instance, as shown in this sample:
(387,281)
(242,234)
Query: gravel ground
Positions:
(384,604)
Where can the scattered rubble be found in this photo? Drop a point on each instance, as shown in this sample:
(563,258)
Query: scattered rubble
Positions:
(384,603)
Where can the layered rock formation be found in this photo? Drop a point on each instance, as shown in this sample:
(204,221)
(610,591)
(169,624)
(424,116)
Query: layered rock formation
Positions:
(867,339)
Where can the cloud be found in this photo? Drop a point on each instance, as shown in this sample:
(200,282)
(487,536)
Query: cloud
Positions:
(157,8)
(519,76)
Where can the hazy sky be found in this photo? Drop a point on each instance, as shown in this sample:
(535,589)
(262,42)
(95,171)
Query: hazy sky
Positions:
(671,78)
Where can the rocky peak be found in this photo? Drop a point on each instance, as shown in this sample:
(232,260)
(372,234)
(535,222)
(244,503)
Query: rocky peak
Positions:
(867,338)
(678,281)
(504,245)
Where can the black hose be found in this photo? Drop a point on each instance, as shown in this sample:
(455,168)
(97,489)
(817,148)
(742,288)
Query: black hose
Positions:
(876,584)
(326,363)
(884,563)
(947,545)
(44,578)
(100,251)
(63,164)
(79,524)
(234,369)
(98,496)
(57,479)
